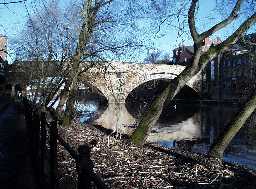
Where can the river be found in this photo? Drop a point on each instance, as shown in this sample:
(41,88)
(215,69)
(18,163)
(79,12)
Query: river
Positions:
(194,127)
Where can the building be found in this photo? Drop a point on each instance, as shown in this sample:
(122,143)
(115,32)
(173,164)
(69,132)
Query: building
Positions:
(3,61)
(3,47)
(184,55)
(230,76)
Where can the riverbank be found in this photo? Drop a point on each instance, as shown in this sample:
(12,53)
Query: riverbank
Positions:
(123,165)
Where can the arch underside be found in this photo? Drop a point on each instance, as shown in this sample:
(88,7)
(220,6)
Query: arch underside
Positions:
(141,97)
(193,83)
(165,81)
(91,88)
(154,85)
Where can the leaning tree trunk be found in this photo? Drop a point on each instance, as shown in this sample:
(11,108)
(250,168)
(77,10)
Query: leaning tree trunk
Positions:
(200,58)
(218,148)
(150,117)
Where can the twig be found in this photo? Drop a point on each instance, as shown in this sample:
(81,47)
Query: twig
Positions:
(12,2)
(215,179)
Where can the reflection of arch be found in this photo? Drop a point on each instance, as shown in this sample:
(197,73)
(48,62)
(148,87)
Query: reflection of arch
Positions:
(189,129)
(88,92)
(141,96)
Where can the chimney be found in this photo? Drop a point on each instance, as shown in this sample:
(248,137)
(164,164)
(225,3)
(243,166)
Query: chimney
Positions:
(217,41)
(3,47)
(207,42)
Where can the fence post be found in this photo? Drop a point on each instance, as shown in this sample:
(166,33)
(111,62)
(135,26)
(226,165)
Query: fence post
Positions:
(85,171)
(34,134)
(85,167)
(43,150)
(53,153)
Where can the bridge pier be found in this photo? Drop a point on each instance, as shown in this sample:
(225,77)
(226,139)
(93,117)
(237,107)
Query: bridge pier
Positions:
(116,117)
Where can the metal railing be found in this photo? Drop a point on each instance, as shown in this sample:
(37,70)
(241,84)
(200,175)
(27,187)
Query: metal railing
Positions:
(43,136)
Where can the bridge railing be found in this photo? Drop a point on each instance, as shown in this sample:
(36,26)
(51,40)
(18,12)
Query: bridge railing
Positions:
(44,139)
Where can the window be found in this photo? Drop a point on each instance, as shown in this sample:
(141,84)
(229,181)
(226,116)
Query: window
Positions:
(212,70)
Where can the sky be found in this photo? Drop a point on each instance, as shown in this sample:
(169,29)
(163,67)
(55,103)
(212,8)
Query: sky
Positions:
(14,16)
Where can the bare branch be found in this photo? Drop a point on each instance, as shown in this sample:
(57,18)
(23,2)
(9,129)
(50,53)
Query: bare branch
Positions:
(233,15)
(191,21)
(232,39)
(12,2)
(164,20)
(102,3)
(238,33)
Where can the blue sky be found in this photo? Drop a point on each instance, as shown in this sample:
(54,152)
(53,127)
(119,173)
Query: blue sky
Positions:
(14,16)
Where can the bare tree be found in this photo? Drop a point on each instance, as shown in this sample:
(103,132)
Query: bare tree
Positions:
(200,59)
(43,47)
(82,33)
(153,57)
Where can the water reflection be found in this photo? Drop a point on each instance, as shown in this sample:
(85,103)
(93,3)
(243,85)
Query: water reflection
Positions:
(86,110)
(188,129)
(213,121)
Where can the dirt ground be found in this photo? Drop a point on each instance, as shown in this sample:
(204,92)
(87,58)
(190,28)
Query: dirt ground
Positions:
(123,165)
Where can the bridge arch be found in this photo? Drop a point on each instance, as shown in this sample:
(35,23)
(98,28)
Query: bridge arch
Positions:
(114,113)
(85,87)
(140,97)
(138,81)
(117,80)
(90,98)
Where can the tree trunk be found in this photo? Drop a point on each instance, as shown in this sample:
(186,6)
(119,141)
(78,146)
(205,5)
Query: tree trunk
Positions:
(70,109)
(67,98)
(150,118)
(218,148)
(63,98)
(71,82)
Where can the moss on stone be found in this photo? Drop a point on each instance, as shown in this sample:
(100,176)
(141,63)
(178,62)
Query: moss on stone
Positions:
(66,121)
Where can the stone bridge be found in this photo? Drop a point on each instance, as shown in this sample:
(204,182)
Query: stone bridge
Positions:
(116,80)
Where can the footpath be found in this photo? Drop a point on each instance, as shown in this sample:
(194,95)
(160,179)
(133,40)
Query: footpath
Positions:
(15,164)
